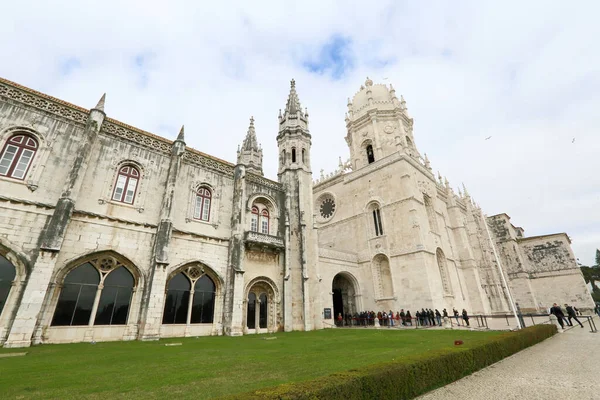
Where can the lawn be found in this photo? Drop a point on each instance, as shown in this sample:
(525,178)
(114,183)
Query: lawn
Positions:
(208,367)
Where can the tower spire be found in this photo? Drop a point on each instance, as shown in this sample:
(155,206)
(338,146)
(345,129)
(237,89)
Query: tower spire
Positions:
(293,116)
(250,153)
(181,134)
(100,105)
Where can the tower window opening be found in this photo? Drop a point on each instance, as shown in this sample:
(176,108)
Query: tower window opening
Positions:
(303,156)
(293,154)
(370,155)
(377,222)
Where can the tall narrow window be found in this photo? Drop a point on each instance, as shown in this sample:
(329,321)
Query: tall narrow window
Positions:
(186,306)
(262,319)
(7,276)
(254,221)
(177,301)
(202,206)
(113,307)
(370,154)
(203,305)
(443,267)
(17,154)
(293,154)
(303,156)
(126,184)
(377,221)
(264,222)
(251,312)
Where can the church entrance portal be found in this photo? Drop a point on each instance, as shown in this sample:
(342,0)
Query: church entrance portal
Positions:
(344,298)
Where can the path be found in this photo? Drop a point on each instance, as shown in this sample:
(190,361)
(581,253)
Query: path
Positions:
(566,366)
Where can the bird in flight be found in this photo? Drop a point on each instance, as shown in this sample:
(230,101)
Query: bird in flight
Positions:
(487,138)
(573,141)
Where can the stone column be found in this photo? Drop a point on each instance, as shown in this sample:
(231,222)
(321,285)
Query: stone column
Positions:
(30,309)
(155,294)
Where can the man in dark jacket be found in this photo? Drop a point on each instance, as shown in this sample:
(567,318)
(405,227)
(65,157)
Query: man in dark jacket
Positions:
(572,315)
(559,314)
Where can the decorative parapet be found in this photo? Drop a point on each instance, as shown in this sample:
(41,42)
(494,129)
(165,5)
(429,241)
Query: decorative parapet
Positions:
(263,240)
(264,182)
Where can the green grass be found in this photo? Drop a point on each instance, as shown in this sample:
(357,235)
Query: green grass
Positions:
(207,367)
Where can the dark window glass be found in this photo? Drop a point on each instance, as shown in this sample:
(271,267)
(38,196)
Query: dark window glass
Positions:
(303,156)
(251,315)
(7,275)
(77,297)
(177,301)
(262,321)
(113,307)
(379,222)
(293,155)
(370,155)
(204,301)
(375,222)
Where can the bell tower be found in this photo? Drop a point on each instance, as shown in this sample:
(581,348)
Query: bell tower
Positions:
(301,298)
(378,125)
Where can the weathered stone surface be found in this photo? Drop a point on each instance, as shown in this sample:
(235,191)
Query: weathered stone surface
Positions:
(393,234)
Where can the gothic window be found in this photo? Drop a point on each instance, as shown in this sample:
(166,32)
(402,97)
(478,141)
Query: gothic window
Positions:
(186,306)
(126,184)
(264,222)
(293,154)
(382,276)
(251,311)
(431,216)
(82,289)
(262,314)
(370,154)
(443,267)
(17,155)
(254,221)
(303,156)
(7,276)
(202,206)
(377,221)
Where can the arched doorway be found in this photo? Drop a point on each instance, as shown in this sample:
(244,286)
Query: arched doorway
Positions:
(344,298)
(261,307)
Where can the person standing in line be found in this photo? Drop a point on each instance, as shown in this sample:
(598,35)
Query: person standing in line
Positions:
(408,317)
(465,317)
(403,317)
(558,314)
(572,315)
(438,317)
(444,313)
(391,318)
(455,312)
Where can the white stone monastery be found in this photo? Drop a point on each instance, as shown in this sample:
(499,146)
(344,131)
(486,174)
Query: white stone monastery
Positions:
(108,232)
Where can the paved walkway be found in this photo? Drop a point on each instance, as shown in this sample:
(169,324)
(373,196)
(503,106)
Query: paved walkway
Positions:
(566,366)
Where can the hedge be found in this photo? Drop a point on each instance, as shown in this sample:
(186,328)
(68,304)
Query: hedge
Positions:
(404,379)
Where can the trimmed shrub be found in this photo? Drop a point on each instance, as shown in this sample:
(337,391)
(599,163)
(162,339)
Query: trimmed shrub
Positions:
(407,378)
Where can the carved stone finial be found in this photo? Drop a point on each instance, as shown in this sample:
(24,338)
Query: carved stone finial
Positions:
(465,190)
(181,134)
(100,105)
(368,82)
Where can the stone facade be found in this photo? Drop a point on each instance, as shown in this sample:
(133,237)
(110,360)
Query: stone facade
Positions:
(210,247)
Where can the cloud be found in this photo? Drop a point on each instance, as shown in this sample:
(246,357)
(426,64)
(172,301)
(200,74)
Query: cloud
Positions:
(525,73)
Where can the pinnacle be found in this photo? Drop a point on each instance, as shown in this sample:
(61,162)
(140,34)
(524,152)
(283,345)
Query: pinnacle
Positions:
(250,143)
(181,134)
(100,105)
(293,102)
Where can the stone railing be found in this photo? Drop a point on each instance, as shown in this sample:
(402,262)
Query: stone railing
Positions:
(263,239)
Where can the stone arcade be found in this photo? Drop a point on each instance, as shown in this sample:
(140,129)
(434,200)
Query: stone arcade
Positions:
(108,232)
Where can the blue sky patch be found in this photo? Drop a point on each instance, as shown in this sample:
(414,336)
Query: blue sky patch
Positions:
(69,65)
(334,58)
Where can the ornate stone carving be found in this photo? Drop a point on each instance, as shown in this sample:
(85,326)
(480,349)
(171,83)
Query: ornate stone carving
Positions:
(264,182)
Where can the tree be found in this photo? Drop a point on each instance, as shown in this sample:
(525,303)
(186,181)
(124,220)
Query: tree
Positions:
(592,275)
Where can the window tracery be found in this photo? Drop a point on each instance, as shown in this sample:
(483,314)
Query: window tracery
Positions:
(17,155)
(126,184)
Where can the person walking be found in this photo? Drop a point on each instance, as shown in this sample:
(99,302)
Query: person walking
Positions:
(465,317)
(558,314)
(455,312)
(572,315)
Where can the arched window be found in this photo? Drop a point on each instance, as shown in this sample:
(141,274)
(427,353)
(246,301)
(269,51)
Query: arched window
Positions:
(254,221)
(17,155)
(81,290)
(264,221)
(113,307)
(126,184)
(409,142)
(377,220)
(293,154)
(202,206)
(383,276)
(185,306)
(262,315)
(303,156)
(431,216)
(251,311)
(370,154)
(7,276)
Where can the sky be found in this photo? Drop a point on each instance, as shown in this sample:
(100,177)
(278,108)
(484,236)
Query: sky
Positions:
(526,74)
